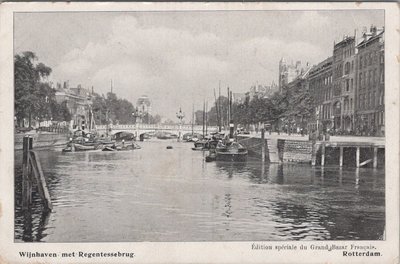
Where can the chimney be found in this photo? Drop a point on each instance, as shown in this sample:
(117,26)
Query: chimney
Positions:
(373,30)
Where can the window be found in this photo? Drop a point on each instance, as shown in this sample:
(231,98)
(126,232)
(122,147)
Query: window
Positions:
(347,85)
(373,99)
(347,68)
(351,103)
(360,80)
(382,76)
(374,77)
(361,61)
(351,84)
(369,100)
(369,77)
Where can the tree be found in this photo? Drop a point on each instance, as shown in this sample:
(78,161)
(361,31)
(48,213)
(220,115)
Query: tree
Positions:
(112,109)
(32,93)
(198,117)
(99,108)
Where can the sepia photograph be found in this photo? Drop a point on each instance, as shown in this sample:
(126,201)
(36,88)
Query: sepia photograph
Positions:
(200,125)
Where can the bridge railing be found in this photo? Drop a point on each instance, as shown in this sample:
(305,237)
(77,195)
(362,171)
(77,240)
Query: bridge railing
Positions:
(187,127)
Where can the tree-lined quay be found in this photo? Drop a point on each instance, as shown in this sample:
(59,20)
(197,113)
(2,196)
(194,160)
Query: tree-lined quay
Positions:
(342,95)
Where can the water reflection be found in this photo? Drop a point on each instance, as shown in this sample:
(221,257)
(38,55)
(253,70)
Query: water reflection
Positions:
(155,194)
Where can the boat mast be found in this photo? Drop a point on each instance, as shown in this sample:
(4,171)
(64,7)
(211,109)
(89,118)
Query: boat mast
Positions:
(107,122)
(219,107)
(229,108)
(192,118)
(204,106)
(217,110)
(206,113)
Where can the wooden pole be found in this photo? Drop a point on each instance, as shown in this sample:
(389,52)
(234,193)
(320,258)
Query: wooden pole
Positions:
(25,198)
(323,154)
(26,173)
(262,145)
(341,157)
(40,180)
(358,157)
(314,153)
(375,163)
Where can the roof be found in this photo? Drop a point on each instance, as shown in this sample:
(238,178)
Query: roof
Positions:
(344,42)
(323,65)
(368,37)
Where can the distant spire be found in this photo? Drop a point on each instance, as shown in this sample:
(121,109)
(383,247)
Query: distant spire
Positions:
(111,86)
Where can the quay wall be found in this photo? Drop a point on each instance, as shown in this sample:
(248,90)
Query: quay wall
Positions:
(298,151)
(41,139)
(253,146)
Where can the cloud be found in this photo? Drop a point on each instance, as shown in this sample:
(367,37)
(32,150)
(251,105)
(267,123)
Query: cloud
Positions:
(158,61)
(176,66)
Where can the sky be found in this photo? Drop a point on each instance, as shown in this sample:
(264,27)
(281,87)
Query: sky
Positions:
(179,58)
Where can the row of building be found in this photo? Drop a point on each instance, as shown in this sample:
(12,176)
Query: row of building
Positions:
(79,102)
(256,90)
(348,87)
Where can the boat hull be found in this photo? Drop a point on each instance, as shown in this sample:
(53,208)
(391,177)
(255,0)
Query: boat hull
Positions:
(236,157)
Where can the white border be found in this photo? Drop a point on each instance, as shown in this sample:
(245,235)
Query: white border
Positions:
(194,252)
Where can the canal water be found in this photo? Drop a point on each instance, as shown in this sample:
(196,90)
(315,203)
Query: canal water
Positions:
(158,194)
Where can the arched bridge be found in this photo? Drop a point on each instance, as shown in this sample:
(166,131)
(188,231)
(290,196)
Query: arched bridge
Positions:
(143,128)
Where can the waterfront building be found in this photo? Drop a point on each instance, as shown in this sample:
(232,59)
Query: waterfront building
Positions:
(78,101)
(370,107)
(299,85)
(289,71)
(263,91)
(320,87)
(144,104)
(343,78)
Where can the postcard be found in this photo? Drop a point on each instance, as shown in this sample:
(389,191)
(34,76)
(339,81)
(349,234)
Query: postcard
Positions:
(199,132)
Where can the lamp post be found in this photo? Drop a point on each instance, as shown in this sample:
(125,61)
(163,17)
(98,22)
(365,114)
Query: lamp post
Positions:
(180,115)
(137,114)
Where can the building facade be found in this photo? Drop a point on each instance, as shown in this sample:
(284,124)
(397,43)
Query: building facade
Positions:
(288,72)
(320,87)
(144,104)
(370,92)
(343,79)
(263,91)
(79,102)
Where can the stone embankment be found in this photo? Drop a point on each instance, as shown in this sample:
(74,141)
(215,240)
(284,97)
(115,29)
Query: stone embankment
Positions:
(41,139)
(298,150)
(279,150)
